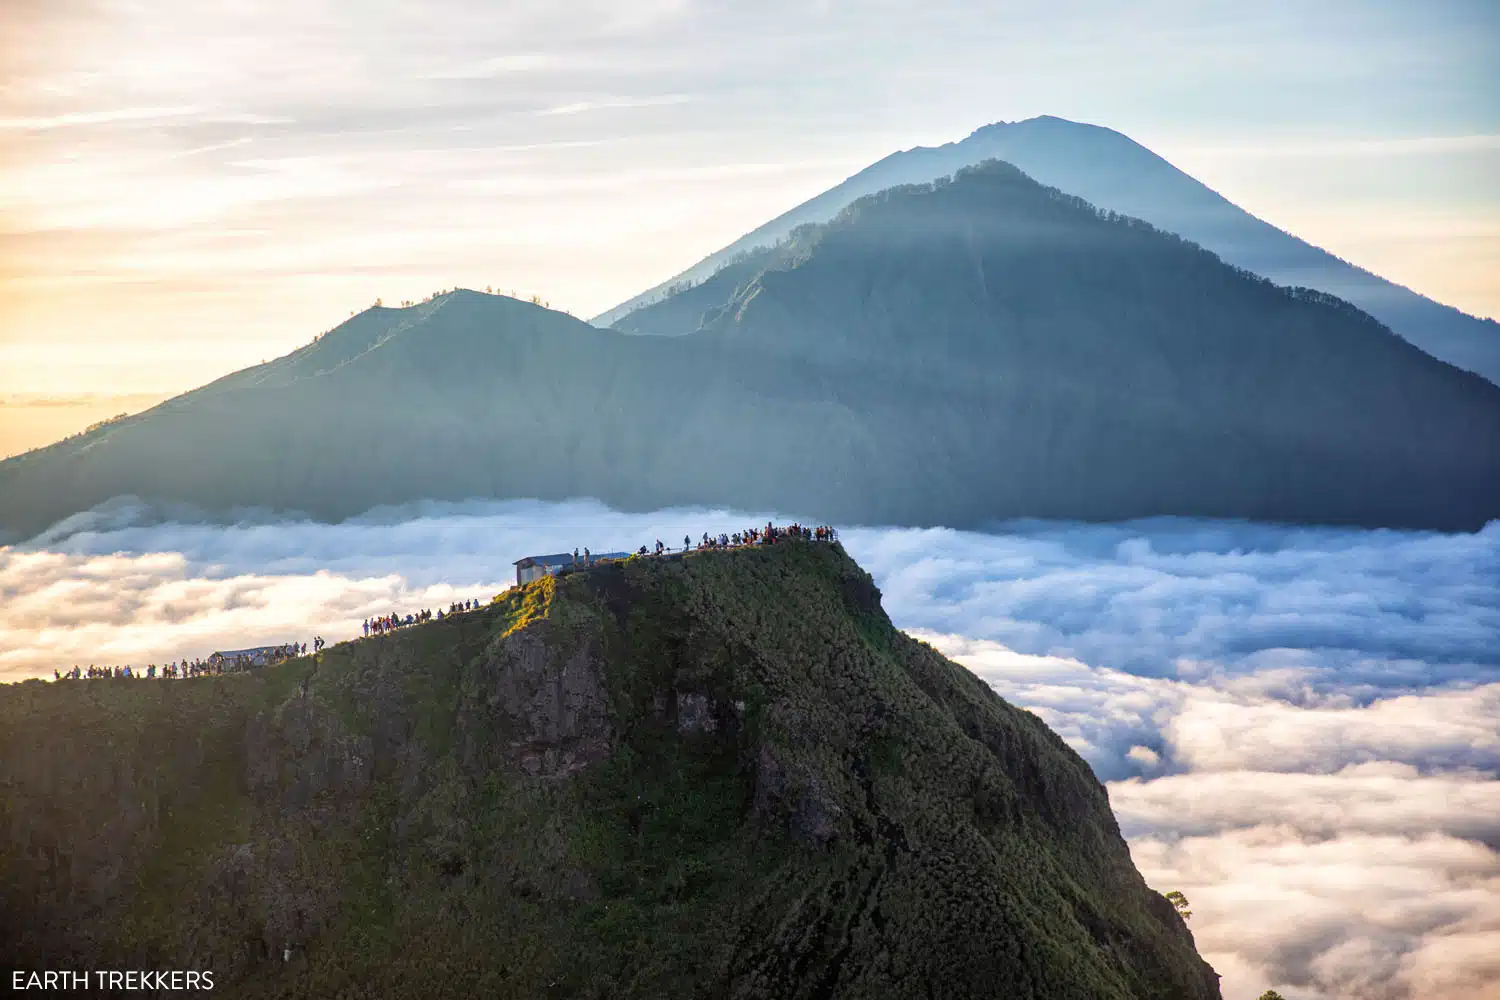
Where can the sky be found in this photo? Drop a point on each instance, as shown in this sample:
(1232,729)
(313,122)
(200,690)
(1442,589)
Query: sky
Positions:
(190,188)
(1296,726)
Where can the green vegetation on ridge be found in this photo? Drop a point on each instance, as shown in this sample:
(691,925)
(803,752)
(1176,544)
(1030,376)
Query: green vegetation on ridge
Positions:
(721,776)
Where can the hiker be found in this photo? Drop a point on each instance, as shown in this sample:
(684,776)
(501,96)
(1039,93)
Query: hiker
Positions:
(587,557)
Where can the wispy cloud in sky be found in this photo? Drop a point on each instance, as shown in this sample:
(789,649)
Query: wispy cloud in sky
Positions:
(517,63)
(1297,727)
(608,103)
(97,118)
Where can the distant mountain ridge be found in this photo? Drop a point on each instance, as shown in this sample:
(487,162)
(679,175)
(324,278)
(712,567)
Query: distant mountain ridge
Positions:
(954,353)
(1113,172)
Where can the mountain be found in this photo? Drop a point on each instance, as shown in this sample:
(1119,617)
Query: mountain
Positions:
(644,780)
(1112,172)
(953,353)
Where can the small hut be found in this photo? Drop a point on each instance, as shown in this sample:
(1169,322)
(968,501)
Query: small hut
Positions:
(257,656)
(535,567)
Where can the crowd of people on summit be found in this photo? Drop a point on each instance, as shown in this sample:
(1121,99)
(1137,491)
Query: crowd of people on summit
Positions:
(768,535)
(213,666)
(219,664)
(382,624)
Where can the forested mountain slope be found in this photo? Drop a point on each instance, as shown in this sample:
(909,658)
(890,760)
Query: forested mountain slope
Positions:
(1113,172)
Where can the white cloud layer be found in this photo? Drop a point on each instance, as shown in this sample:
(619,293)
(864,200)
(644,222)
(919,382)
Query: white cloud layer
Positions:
(1298,727)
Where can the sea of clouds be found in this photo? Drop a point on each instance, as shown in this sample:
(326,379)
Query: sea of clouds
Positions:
(1299,728)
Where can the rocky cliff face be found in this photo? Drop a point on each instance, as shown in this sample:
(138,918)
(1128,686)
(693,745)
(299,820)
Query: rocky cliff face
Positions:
(723,776)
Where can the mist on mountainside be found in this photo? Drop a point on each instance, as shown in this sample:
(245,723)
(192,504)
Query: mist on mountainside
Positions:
(1115,173)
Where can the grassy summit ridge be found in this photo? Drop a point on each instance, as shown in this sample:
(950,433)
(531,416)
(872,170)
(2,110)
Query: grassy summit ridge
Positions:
(724,776)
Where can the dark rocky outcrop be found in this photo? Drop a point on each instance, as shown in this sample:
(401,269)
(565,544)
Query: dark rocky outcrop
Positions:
(724,776)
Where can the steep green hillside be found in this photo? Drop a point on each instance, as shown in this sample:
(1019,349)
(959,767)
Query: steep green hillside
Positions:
(724,776)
